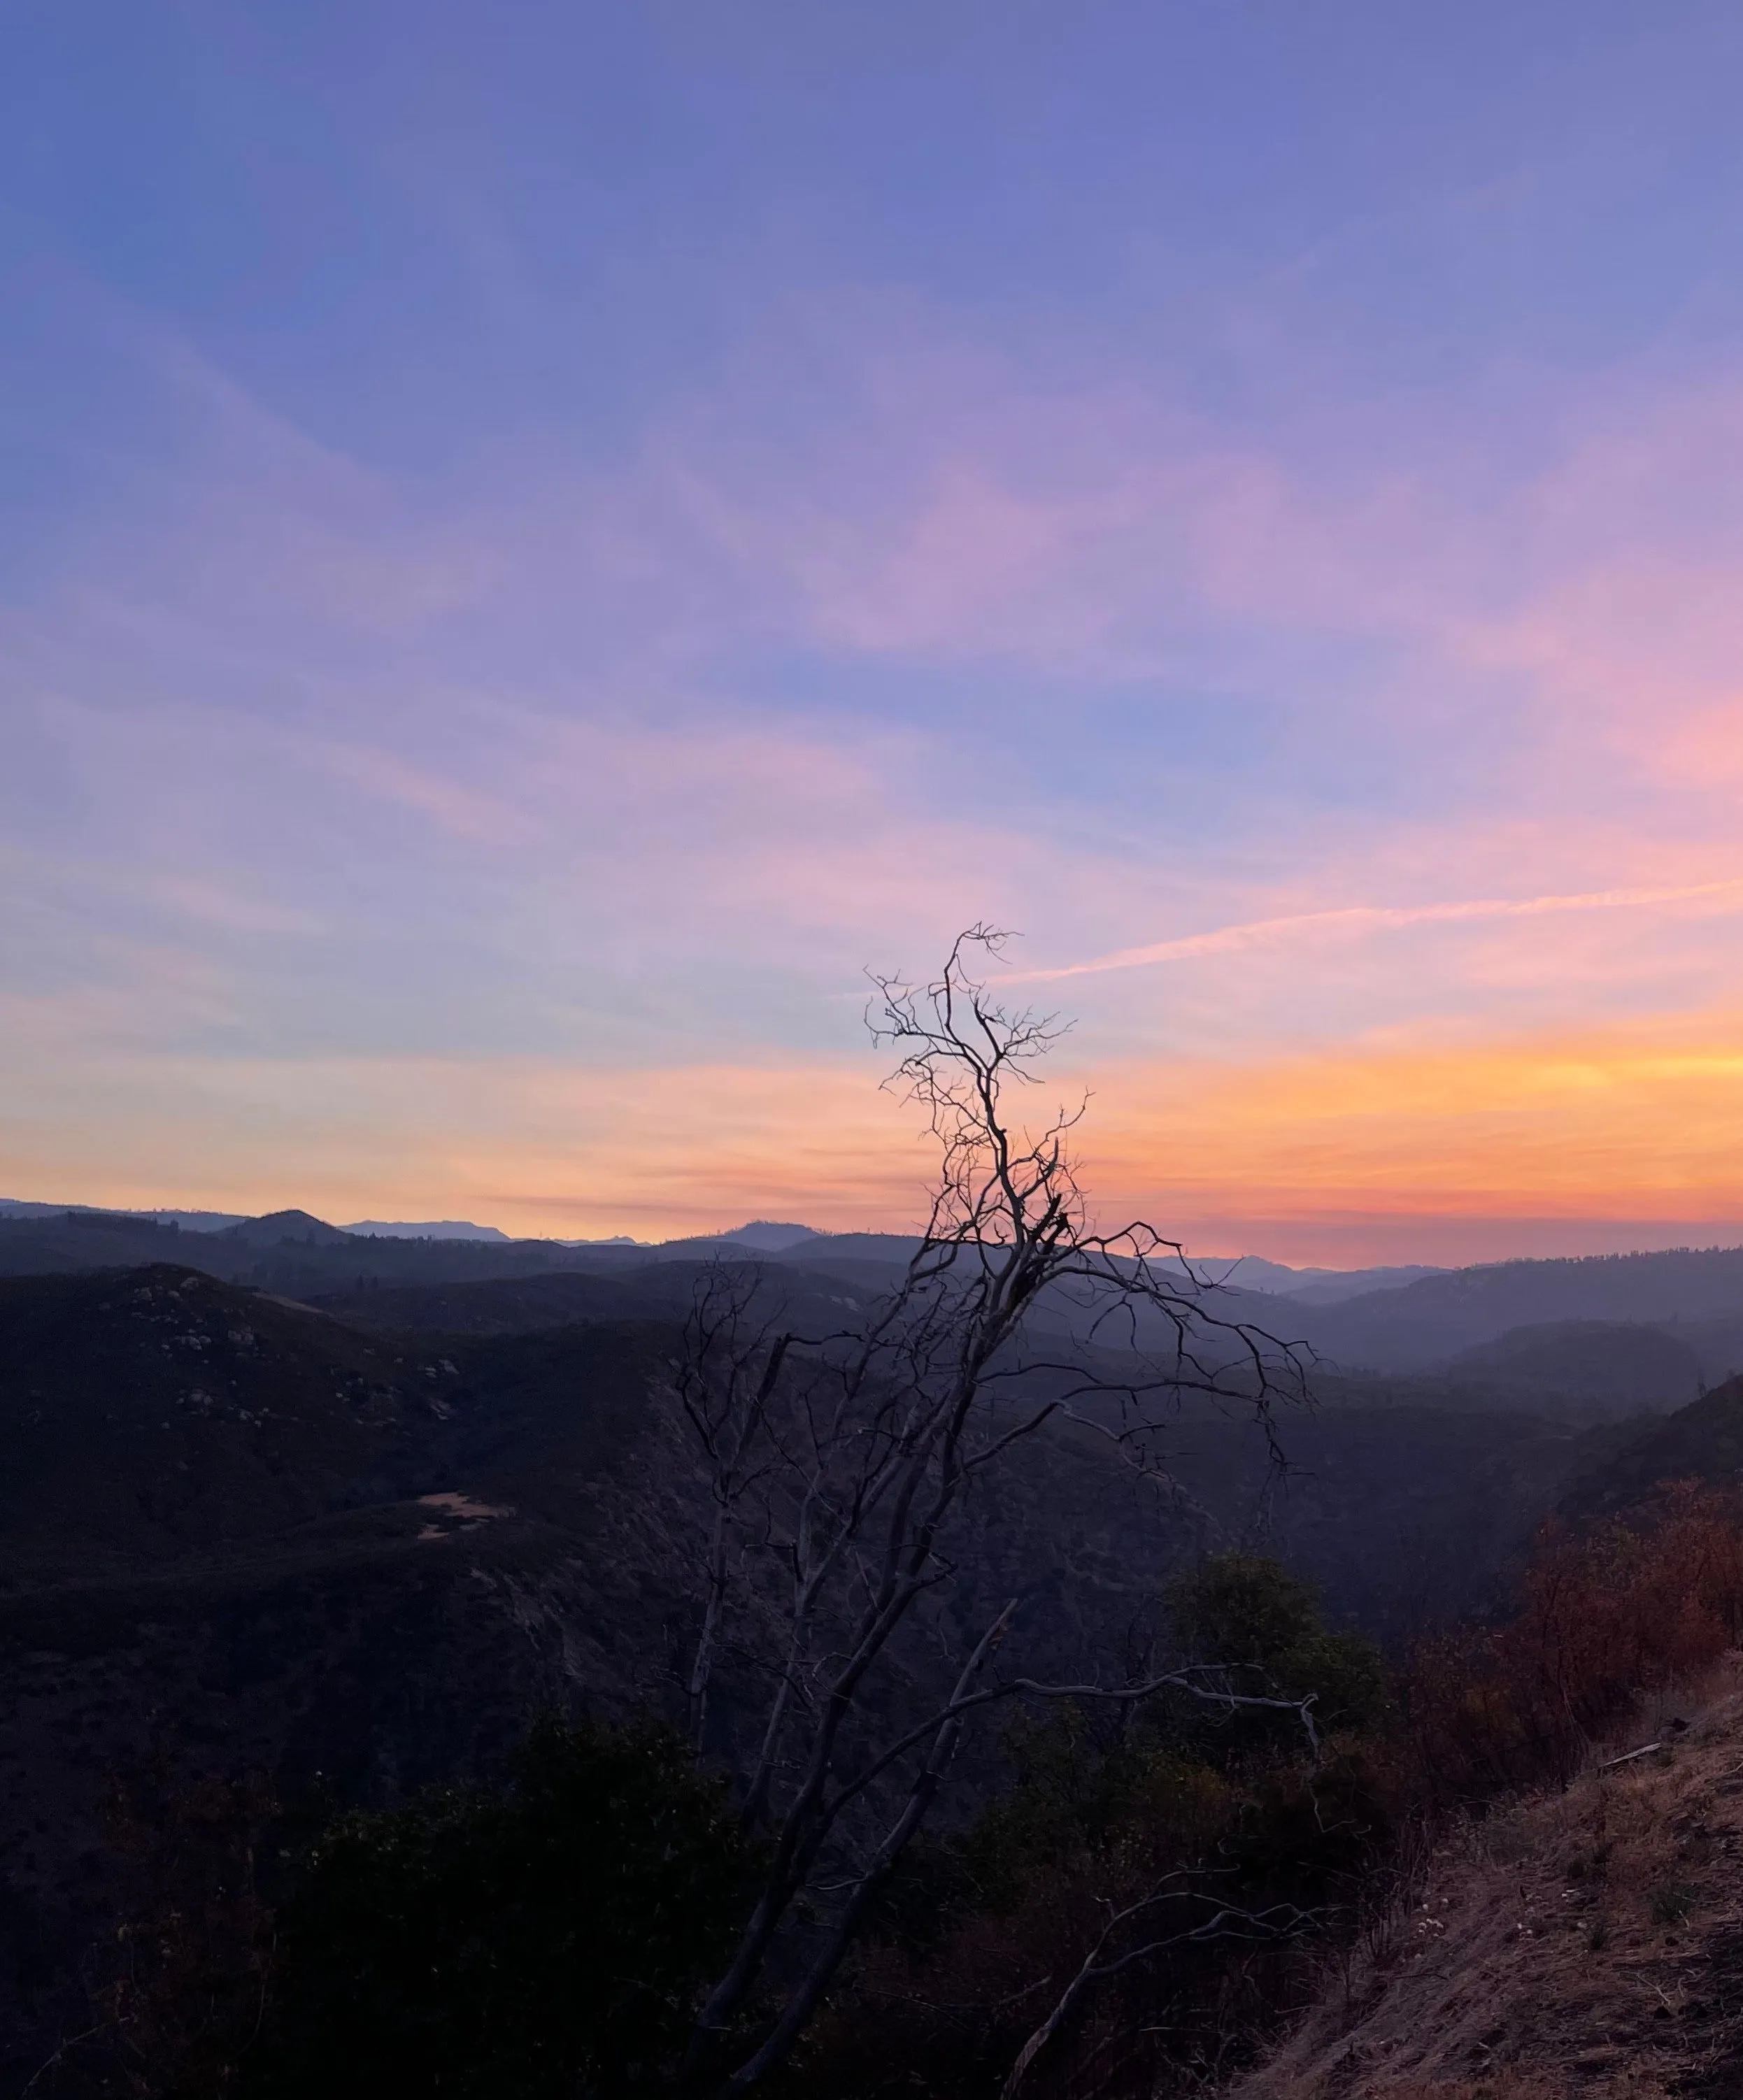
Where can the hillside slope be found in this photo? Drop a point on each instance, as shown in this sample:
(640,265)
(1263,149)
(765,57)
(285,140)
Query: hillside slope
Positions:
(155,1416)
(1588,1943)
(1703,1441)
(1431,1321)
(1623,1364)
(239,1539)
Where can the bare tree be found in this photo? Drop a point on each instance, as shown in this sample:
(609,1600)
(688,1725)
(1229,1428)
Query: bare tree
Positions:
(838,1465)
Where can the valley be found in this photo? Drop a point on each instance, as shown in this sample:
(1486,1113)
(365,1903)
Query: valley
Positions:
(340,1517)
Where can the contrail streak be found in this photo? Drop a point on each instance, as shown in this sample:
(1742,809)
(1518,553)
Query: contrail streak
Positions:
(1363,918)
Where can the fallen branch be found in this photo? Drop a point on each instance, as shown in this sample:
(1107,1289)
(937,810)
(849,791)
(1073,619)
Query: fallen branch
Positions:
(1645,1750)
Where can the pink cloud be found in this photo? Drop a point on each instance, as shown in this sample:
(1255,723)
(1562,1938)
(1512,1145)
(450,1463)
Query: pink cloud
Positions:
(463,811)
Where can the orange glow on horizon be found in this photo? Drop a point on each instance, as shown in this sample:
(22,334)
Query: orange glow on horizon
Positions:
(1372,1151)
(1578,1125)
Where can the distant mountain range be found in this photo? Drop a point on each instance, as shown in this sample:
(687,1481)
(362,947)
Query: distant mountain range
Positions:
(764,1235)
(217,1221)
(189,1221)
(1318,1286)
(1400,1319)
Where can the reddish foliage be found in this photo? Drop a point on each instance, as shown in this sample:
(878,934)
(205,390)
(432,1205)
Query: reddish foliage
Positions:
(1606,1618)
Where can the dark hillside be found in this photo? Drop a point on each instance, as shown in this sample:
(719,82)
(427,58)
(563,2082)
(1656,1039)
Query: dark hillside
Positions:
(1703,1441)
(1717,1341)
(86,1240)
(240,1535)
(816,1303)
(1433,1321)
(1614,1366)
(238,1538)
(1402,1517)
(511,1305)
(153,1414)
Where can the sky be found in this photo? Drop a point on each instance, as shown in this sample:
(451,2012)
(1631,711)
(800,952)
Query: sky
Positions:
(539,542)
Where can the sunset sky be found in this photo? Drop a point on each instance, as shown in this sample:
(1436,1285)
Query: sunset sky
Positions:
(538,541)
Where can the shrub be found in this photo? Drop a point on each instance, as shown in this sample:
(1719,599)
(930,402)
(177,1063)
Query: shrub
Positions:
(547,1938)
(1243,1610)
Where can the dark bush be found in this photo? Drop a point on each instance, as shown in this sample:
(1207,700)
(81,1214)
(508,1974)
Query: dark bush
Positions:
(1243,1610)
(546,1939)
(1188,1813)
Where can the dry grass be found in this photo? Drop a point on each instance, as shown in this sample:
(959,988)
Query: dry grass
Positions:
(1498,2085)
(1585,1942)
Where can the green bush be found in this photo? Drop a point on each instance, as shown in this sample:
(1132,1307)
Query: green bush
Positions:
(550,1938)
(1241,1610)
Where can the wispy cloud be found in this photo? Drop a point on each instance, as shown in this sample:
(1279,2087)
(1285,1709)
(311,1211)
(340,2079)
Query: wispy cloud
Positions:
(466,811)
(1357,919)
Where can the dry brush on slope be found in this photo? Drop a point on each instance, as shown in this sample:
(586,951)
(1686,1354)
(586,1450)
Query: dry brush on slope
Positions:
(1587,1937)
(1584,1942)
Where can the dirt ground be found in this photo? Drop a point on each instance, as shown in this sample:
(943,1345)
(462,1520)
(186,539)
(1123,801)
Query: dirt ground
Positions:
(1587,1943)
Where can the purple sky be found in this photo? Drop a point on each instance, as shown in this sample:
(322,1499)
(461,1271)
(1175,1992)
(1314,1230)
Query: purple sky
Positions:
(539,540)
